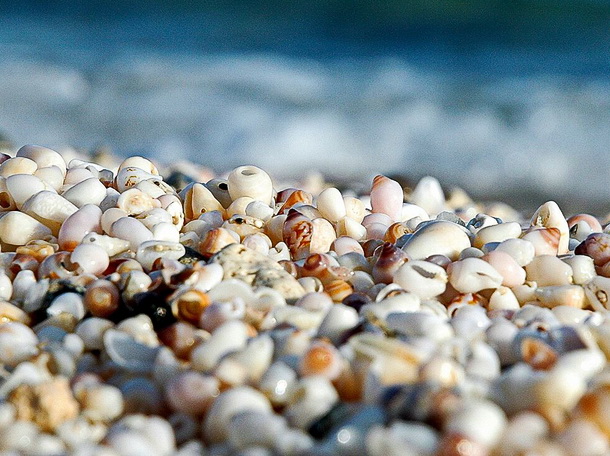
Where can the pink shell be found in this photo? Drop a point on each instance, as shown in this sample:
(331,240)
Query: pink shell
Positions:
(82,222)
(387,197)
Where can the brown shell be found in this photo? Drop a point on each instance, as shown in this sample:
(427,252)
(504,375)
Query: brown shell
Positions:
(190,305)
(338,289)
(214,241)
(296,233)
(389,260)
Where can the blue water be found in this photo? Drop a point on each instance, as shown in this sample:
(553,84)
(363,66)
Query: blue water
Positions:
(491,96)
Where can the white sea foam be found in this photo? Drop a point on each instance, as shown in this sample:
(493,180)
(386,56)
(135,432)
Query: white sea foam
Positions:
(343,117)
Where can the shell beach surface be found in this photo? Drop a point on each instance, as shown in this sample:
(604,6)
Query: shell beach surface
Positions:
(165,310)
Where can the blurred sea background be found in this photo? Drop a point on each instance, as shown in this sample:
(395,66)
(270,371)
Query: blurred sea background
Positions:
(509,100)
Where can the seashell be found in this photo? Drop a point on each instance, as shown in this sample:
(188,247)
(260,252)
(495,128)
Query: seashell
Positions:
(238,207)
(322,236)
(413,211)
(583,268)
(560,389)
(127,353)
(190,305)
(10,312)
(18,343)
(442,371)
(277,382)
(90,258)
(429,195)
(395,231)
(503,299)
(596,245)
(6,201)
(561,295)
(100,402)
(192,393)
(49,208)
(17,228)
(230,336)
(311,398)
(250,181)
(497,233)
(550,216)
(481,221)
(507,266)
(258,241)
(42,156)
(471,275)
(331,205)
(17,165)
(345,244)
(295,199)
(22,186)
(244,225)
(583,437)
(88,191)
(387,197)
(251,429)
(101,298)
(349,227)
(437,237)
(402,438)
(581,225)
(76,175)
(135,201)
(227,405)
(139,162)
(220,189)
(354,208)
(422,278)
(521,250)
(548,270)
(91,331)
(154,187)
(390,259)
(545,240)
(259,210)
(199,200)
(113,246)
(70,303)
(420,324)
(338,290)
(215,240)
(52,177)
(131,230)
(149,251)
(471,252)
(338,320)
(480,421)
(130,176)
(297,234)
(597,291)
(82,222)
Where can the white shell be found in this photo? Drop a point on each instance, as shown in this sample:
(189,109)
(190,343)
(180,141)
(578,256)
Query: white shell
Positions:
(51,176)
(17,228)
(134,201)
(471,275)
(112,246)
(43,156)
(521,250)
(497,233)
(331,205)
(229,404)
(423,278)
(250,181)
(49,208)
(583,268)
(91,258)
(480,420)
(550,216)
(89,191)
(22,186)
(149,251)
(229,337)
(438,237)
(70,303)
(129,354)
(18,343)
(131,230)
(429,195)
(311,398)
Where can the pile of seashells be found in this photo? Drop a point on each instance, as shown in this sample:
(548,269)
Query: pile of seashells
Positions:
(233,318)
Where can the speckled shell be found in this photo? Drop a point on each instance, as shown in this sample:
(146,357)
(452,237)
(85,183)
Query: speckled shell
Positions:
(250,181)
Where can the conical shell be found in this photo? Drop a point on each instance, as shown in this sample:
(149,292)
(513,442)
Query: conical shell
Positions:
(437,238)
(387,197)
(550,216)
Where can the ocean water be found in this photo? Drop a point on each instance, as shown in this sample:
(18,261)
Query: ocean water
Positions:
(508,102)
